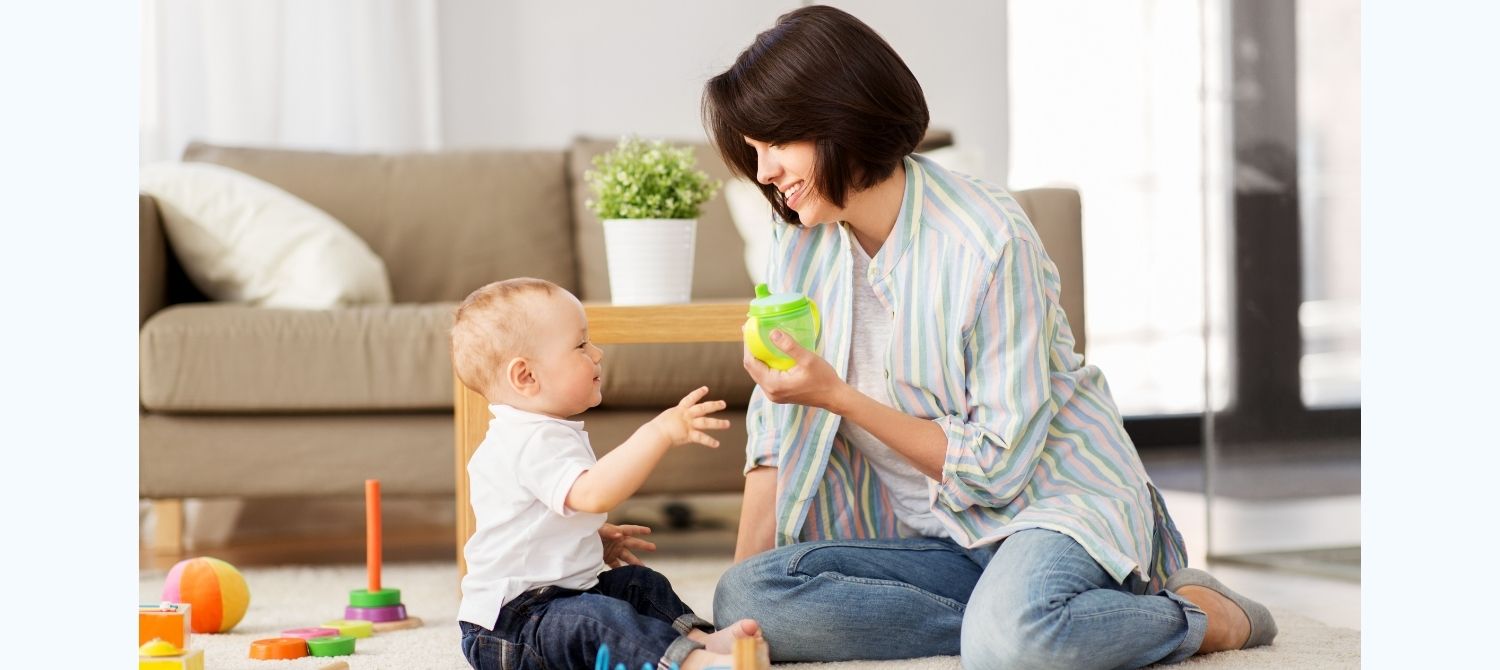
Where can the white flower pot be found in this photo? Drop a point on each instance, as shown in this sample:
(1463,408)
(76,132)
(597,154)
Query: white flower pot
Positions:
(650,260)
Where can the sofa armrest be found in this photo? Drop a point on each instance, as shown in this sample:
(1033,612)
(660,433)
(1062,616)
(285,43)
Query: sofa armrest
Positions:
(153,259)
(1057,214)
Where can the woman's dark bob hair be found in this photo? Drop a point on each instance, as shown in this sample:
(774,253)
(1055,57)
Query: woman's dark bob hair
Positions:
(823,76)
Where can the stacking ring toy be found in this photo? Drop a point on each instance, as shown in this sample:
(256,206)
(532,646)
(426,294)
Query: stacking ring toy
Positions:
(278,648)
(355,628)
(376,614)
(309,633)
(338,645)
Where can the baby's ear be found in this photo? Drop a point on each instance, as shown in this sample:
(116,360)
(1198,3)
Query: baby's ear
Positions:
(518,375)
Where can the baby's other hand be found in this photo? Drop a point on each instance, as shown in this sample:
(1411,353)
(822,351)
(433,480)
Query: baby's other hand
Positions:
(685,423)
(619,541)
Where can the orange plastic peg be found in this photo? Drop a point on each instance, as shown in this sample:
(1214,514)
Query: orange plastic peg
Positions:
(372,532)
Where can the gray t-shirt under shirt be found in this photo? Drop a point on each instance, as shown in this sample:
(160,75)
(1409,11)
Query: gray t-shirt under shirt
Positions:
(871,337)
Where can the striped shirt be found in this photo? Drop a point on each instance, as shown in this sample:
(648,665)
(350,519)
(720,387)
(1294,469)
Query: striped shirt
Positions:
(980,345)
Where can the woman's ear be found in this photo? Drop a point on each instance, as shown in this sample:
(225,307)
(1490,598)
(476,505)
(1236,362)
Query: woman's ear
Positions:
(519,376)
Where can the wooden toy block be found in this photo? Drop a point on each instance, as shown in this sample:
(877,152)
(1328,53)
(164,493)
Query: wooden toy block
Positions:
(751,653)
(159,654)
(403,624)
(171,622)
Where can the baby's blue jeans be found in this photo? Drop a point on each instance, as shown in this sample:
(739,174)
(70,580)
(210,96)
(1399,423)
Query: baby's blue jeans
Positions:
(1038,601)
(633,610)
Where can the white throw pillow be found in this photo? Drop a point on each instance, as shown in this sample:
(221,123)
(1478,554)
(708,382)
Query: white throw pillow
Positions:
(752,214)
(241,239)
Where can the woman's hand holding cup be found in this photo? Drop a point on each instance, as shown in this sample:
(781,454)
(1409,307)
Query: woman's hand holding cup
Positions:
(811,382)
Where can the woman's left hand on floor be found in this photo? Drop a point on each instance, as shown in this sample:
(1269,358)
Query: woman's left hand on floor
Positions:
(811,382)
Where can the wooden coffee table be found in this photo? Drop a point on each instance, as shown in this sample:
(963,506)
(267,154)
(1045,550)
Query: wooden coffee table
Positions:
(608,324)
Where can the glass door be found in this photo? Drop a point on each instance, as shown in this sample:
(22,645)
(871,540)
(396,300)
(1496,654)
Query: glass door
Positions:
(1281,285)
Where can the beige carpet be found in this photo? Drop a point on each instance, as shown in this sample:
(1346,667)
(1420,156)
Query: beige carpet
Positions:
(295,597)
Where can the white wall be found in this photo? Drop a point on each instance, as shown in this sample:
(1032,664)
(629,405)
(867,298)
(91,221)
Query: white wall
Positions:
(539,74)
(397,75)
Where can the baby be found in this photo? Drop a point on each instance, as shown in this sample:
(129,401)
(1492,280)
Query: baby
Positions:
(540,591)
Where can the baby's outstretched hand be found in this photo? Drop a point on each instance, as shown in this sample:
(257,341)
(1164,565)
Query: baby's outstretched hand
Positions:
(685,423)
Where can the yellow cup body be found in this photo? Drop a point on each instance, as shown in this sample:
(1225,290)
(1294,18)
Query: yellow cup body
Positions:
(804,326)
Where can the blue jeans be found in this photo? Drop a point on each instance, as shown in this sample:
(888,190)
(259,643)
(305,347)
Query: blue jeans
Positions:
(1038,601)
(632,609)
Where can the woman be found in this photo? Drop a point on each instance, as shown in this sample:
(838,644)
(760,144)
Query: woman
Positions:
(952,478)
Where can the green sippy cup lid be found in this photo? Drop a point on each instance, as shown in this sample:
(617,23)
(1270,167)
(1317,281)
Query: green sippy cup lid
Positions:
(774,304)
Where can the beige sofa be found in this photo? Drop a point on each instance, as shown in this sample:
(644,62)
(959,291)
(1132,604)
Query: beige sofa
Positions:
(244,401)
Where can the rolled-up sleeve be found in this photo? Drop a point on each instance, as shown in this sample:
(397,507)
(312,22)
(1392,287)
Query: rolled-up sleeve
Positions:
(760,428)
(994,448)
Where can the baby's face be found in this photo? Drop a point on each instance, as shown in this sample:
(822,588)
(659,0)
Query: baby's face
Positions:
(565,363)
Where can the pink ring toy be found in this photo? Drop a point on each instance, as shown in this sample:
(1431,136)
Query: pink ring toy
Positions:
(307,633)
(376,614)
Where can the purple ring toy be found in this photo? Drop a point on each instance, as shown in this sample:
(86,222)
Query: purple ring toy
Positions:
(376,614)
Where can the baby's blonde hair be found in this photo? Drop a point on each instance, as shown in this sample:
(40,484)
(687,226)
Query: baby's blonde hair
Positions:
(489,329)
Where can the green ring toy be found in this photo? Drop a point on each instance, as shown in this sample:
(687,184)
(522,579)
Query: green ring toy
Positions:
(380,598)
(337,645)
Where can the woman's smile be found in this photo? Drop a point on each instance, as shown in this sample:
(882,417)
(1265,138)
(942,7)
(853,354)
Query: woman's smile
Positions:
(793,194)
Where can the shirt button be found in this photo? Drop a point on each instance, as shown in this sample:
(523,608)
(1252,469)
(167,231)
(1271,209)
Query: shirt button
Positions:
(887,374)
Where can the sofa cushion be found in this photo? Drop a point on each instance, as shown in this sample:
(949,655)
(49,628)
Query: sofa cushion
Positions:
(445,223)
(213,357)
(244,240)
(718,268)
(215,455)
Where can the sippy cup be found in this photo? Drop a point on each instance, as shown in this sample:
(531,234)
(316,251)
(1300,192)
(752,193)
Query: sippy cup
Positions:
(791,313)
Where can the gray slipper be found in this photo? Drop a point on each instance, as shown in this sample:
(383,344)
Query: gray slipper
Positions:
(1262,626)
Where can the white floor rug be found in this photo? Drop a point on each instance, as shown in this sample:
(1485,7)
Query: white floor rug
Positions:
(295,597)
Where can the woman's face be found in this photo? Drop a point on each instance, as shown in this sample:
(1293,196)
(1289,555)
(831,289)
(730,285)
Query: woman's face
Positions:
(789,167)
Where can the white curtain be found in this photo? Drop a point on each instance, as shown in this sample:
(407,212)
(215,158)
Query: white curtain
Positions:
(356,75)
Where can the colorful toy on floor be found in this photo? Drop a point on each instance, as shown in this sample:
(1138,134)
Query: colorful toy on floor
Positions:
(310,632)
(169,622)
(601,661)
(380,606)
(354,628)
(158,654)
(300,642)
(215,589)
(751,653)
(278,648)
(336,645)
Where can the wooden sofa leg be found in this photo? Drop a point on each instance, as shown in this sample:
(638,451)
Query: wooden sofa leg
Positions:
(169,522)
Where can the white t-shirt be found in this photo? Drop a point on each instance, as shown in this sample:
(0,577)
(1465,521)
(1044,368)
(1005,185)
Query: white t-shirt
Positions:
(525,536)
(871,336)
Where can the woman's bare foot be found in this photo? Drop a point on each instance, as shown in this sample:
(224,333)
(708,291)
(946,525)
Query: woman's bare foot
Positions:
(1228,627)
(722,642)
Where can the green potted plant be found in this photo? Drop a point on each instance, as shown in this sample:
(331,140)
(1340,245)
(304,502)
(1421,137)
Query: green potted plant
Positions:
(648,195)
